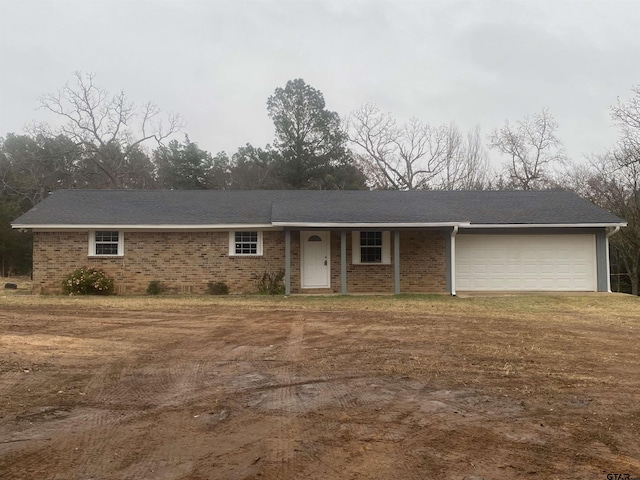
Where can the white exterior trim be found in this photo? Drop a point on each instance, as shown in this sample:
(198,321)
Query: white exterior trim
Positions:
(232,244)
(276,225)
(92,244)
(386,249)
(452,260)
(226,226)
(378,226)
(542,225)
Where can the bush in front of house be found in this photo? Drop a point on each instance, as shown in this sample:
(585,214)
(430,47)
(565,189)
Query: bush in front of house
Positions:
(155,287)
(217,288)
(88,281)
(271,283)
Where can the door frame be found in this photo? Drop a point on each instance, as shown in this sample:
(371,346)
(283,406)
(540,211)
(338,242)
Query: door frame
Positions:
(326,237)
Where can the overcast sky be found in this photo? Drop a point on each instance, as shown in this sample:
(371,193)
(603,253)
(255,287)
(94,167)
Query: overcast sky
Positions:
(216,62)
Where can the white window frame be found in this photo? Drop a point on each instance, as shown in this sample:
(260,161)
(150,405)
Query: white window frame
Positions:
(232,244)
(92,244)
(386,249)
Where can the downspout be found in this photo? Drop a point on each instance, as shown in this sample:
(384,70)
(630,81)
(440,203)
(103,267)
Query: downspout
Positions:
(453,260)
(610,233)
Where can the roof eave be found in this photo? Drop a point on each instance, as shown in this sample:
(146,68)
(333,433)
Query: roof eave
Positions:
(546,225)
(219,226)
(229,226)
(368,224)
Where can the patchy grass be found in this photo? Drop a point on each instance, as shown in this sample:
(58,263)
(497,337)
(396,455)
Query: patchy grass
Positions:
(601,307)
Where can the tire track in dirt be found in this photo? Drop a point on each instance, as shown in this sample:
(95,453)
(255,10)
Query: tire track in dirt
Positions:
(357,396)
(181,384)
(293,397)
(288,425)
(19,383)
(183,380)
(131,394)
(76,442)
(156,385)
(11,382)
(80,439)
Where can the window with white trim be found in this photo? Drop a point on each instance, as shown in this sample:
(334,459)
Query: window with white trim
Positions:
(371,247)
(245,243)
(106,243)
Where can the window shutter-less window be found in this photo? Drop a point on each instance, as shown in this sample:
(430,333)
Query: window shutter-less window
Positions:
(356,248)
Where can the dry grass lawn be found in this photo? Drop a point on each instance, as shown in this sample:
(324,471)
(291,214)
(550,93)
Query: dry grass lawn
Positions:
(410,387)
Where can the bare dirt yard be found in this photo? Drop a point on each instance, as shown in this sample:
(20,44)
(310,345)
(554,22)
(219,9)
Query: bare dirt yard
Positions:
(536,387)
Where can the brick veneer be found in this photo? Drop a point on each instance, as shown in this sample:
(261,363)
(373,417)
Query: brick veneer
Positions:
(187,261)
(183,261)
(422,266)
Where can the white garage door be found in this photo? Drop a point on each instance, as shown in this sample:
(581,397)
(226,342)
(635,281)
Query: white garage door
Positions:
(526,262)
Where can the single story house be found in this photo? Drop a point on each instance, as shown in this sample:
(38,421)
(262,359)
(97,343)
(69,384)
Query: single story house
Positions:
(325,241)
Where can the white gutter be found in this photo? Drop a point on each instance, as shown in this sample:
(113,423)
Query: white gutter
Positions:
(231,226)
(226,226)
(453,260)
(610,234)
(615,230)
(369,224)
(544,225)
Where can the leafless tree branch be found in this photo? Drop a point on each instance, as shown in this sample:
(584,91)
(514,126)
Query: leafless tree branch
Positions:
(533,149)
(108,127)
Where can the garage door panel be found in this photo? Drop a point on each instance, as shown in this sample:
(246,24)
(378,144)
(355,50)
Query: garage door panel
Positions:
(526,262)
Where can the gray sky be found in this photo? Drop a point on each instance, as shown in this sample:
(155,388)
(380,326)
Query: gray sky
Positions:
(217,62)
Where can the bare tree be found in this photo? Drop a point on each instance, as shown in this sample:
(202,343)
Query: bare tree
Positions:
(533,148)
(109,128)
(626,114)
(612,181)
(416,155)
(467,164)
(406,157)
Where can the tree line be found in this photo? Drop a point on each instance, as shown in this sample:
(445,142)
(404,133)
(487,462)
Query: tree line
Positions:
(106,141)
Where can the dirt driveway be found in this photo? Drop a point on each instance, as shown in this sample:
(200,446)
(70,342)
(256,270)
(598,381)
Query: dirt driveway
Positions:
(309,388)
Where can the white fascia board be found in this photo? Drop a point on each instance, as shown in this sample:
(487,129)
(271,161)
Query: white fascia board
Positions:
(232,226)
(543,225)
(368,225)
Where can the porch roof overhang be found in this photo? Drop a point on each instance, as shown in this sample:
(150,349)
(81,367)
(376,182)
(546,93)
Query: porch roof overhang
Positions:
(368,225)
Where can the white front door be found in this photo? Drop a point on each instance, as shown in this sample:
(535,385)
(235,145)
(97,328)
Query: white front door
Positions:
(315,266)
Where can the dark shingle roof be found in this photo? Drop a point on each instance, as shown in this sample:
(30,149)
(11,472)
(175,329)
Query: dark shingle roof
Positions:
(212,207)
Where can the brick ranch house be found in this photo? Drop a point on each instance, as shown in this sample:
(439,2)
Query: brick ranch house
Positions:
(325,241)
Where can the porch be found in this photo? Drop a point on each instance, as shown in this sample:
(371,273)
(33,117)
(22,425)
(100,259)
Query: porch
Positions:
(367,260)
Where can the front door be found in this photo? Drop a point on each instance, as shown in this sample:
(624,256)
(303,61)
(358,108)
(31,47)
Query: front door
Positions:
(315,259)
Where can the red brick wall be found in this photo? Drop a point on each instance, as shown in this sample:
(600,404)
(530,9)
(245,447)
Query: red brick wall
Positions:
(187,261)
(183,261)
(422,266)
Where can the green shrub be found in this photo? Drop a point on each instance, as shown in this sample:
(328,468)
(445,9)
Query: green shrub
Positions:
(271,283)
(87,281)
(218,288)
(155,287)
